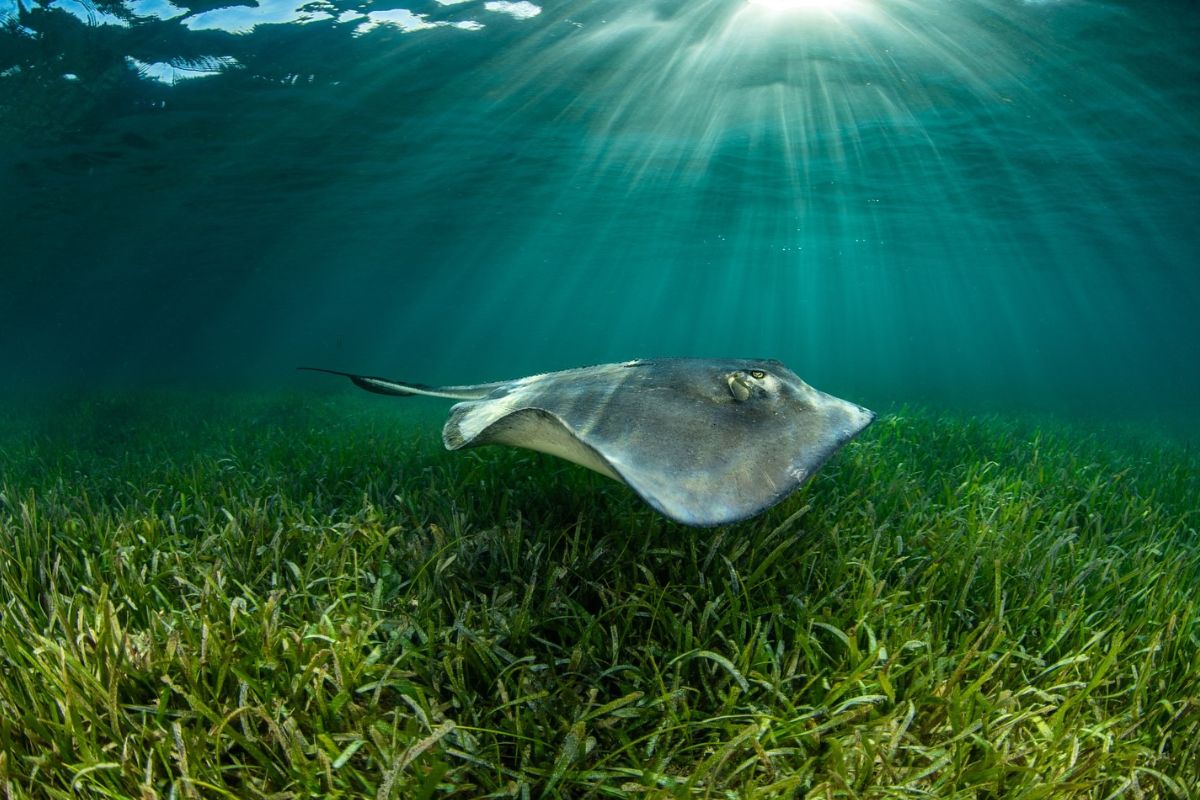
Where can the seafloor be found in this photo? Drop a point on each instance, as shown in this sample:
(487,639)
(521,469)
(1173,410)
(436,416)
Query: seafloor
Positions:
(271,597)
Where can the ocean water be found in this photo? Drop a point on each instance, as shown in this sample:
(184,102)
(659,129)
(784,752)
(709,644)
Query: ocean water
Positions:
(984,204)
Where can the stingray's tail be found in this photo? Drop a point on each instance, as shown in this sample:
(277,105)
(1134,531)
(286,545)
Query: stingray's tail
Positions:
(402,389)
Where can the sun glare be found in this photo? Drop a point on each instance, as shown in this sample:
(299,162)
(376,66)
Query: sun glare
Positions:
(802,5)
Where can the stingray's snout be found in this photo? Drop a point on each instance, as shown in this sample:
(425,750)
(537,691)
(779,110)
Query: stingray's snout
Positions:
(850,419)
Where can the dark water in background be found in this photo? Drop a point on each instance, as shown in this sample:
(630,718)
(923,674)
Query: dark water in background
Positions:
(982,203)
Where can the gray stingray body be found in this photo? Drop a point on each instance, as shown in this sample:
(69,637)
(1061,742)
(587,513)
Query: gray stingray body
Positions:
(703,441)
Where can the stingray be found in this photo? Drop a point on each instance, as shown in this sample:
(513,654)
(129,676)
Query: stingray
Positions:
(704,441)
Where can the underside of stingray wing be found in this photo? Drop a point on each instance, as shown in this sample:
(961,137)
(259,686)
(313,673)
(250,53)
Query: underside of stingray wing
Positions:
(530,428)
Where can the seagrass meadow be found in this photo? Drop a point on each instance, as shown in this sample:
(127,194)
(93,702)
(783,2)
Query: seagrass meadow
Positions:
(283,597)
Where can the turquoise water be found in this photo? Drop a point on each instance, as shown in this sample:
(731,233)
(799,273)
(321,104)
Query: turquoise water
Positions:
(982,204)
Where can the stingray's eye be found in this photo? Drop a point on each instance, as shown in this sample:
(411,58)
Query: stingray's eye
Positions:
(757,374)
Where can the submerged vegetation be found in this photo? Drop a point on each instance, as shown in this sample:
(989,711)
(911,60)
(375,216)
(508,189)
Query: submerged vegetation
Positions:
(300,598)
